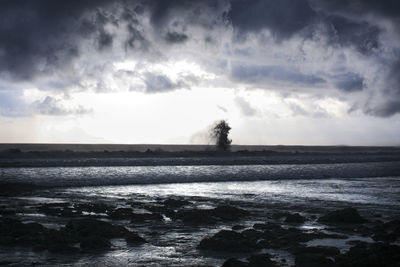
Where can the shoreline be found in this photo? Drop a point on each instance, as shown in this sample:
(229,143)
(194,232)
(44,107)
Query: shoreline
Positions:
(52,156)
(43,147)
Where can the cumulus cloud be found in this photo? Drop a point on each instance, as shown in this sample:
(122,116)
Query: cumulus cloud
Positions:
(13,104)
(52,106)
(156,83)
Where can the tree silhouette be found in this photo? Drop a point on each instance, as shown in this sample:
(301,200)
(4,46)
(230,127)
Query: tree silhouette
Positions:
(220,133)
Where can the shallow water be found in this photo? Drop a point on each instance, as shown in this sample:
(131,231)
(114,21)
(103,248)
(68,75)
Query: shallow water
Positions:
(85,176)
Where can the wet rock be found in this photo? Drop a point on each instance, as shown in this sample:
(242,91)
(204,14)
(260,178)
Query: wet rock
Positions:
(322,250)
(380,234)
(16,189)
(6,262)
(229,213)
(345,216)
(252,234)
(95,243)
(50,210)
(280,238)
(312,260)
(58,242)
(133,239)
(84,228)
(261,260)
(14,232)
(237,227)
(143,217)
(294,218)
(7,211)
(268,226)
(120,213)
(196,216)
(210,216)
(234,263)
(90,227)
(278,215)
(93,207)
(69,212)
(371,255)
(392,225)
(176,203)
(226,240)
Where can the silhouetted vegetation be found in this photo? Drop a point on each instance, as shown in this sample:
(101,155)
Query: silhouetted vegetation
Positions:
(220,133)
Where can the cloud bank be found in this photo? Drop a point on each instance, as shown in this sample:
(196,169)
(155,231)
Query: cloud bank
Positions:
(347,49)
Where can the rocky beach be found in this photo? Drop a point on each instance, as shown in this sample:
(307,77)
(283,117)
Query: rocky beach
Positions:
(333,214)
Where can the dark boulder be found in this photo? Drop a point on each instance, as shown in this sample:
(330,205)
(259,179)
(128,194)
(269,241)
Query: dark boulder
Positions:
(95,243)
(120,213)
(34,235)
(345,216)
(229,213)
(226,240)
(197,216)
(294,218)
(261,260)
(82,229)
(312,260)
(209,216)
(252,234)
(134,238)
(58,242)
(322,250)
(380,234)
(371,255)
(7,211)
(176,203)
(234,263)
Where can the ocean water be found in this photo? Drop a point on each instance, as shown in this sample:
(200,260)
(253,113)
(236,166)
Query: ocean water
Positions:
(125,175)
(264,190)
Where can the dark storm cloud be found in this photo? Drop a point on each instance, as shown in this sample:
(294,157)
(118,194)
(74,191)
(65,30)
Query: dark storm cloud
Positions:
(43,38)
(283,18)
(105,40)
(255,74)
(349,82)
(37,36)
(361,35)
(387,8)
(175,37)
(391,104)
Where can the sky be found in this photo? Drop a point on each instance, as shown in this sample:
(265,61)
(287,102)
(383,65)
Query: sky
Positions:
(289,72)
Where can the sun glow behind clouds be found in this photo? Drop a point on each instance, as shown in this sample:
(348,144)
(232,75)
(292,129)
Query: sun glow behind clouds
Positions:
(256,117)
(134,117)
